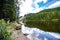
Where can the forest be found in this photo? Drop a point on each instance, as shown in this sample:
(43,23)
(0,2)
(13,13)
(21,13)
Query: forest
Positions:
(8,9)
(7,12)
(11,26)
(48,20)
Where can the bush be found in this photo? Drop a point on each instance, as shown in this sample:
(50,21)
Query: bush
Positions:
(4,34)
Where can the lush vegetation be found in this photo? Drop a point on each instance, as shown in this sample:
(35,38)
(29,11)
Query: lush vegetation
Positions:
(8,9)
(4,34)
(48,20)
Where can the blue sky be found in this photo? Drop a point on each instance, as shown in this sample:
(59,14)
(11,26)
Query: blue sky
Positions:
(34,6)
(49,2)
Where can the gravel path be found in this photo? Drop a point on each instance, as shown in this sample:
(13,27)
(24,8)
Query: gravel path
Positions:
(18,35)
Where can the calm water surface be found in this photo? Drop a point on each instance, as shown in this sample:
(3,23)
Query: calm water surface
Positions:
(37,34)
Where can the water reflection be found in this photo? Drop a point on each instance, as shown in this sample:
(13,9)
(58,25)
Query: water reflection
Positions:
(37,34)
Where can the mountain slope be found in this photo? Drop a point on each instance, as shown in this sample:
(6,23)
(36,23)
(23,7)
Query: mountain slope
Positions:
(48,20)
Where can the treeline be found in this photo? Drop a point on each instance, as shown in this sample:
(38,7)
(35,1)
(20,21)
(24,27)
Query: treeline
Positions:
(7,9)
(48,20)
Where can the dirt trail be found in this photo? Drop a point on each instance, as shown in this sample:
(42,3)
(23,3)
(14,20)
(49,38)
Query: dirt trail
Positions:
(18,35)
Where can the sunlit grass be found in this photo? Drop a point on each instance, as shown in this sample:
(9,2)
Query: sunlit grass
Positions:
(4,34)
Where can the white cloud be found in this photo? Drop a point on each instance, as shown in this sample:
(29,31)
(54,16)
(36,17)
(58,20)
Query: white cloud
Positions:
(40,1)
(56,35)
(56,4)
(26,6)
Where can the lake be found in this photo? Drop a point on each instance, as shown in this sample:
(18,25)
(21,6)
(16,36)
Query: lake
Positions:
(37,34)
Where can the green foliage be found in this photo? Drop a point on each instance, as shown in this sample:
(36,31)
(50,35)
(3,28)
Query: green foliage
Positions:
(4,34)
(7,9)
(48,20)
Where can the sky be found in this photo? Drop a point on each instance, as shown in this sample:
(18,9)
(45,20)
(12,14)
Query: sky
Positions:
(34,6)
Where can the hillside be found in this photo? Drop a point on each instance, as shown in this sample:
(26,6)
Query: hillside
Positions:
(48,20)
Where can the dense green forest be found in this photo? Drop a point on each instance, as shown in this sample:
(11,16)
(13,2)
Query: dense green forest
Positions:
(48,20)
(8,9)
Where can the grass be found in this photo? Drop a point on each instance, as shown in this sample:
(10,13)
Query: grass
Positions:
(4,34)
(6,30)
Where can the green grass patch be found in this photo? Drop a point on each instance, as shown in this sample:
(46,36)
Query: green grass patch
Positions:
(4,34)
